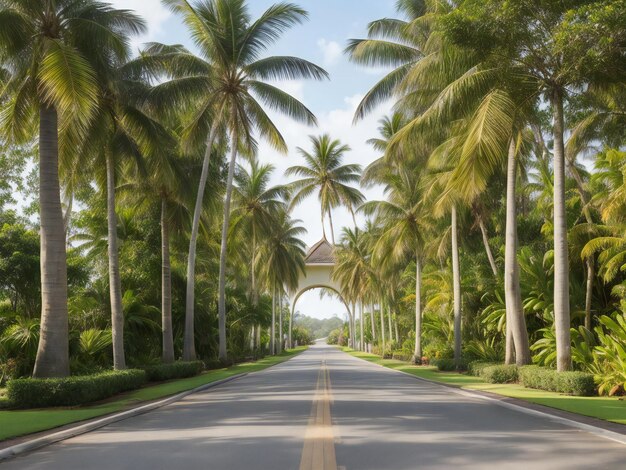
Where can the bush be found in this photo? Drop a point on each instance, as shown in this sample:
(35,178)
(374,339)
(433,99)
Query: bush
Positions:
(500,374)
(572,383)
(174,370)
(444,364)
(402,356)
(70,391)
(475,367)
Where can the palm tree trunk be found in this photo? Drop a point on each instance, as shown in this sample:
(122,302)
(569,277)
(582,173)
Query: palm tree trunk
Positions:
(280,321)
(53,351)
(389,324)
(382,328)
(221,307)
(492,262)
(509,344)
(456,288)
(417,354)
(323,226)
(361,342)
(115,283)
(589,262)
(561,261)
(273,326)
(373,323)
(589,290)
(332,229)
(166,287)
(189,347)
(395,328)
(513,297)
(290,326)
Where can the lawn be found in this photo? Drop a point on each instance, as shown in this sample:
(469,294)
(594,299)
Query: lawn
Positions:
(16,423)
(606,408)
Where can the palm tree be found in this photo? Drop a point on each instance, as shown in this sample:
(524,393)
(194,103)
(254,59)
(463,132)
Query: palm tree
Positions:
(352,271)
(281,259)
(325,174)
(255,209)
(55,51)
(230,91)
(404,219)
(531,39)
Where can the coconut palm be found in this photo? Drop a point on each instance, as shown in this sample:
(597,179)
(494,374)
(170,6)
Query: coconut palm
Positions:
(281,258)
(229,91)
(255,207)
(54,51)
(532,38)
(352,271)
(324,173)
(404,218)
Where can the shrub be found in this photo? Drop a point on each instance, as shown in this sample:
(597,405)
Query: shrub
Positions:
(475,367)
(499,374)
(576,383)
(174,370)
(572,383)
(402,356)
(70,391)
(444,364)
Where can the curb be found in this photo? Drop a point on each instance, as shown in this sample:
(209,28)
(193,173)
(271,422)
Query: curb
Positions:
(595,430)
(18,449)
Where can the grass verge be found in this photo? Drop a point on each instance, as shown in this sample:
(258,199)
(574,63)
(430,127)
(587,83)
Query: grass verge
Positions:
(606,408)
(15,423)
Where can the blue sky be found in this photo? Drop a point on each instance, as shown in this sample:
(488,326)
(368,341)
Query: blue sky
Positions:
(320,40)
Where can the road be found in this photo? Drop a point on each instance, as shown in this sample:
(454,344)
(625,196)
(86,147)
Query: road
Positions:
(325,409)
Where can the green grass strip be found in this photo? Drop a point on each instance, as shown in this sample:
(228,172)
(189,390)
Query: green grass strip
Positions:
(606,408)
(15,423)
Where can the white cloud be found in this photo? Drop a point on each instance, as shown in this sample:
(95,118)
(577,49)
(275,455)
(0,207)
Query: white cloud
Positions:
(152,11)
(331,51)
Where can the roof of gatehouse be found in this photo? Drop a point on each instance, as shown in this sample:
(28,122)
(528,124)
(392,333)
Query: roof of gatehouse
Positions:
(320,253)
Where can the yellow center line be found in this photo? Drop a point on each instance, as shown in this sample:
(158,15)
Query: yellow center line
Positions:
(318,452)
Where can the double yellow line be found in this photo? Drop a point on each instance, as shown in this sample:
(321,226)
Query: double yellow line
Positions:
(319,442)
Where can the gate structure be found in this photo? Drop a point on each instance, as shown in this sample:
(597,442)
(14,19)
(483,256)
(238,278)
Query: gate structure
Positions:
(319,264)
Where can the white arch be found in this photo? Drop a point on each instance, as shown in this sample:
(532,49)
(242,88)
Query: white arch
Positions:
(319,264)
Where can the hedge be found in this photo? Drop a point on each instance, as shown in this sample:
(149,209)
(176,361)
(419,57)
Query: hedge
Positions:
(573,383)
(499,374)
(174,370)
(71,391)
(475,368)
(447,364)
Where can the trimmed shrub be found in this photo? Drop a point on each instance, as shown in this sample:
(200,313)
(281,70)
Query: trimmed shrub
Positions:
(499,374)
(444,364)
(576,383)
(402,356)
(174,370)
(572,383)
(475,367)
(71,391)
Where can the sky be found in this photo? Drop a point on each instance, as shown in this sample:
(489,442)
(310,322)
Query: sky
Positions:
(321,40)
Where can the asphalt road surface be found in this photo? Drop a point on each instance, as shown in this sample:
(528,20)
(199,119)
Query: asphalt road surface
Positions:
(327,410)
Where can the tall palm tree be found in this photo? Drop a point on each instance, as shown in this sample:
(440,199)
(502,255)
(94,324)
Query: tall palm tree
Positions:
(281,259)
(229,92)
(325,174)
(255,207)
(532,38)
(54,51)
(352,271)
(404,219)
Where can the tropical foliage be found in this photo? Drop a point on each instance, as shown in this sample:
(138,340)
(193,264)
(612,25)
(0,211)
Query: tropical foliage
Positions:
(501,236)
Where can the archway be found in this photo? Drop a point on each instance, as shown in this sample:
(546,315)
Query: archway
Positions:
(319,264)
